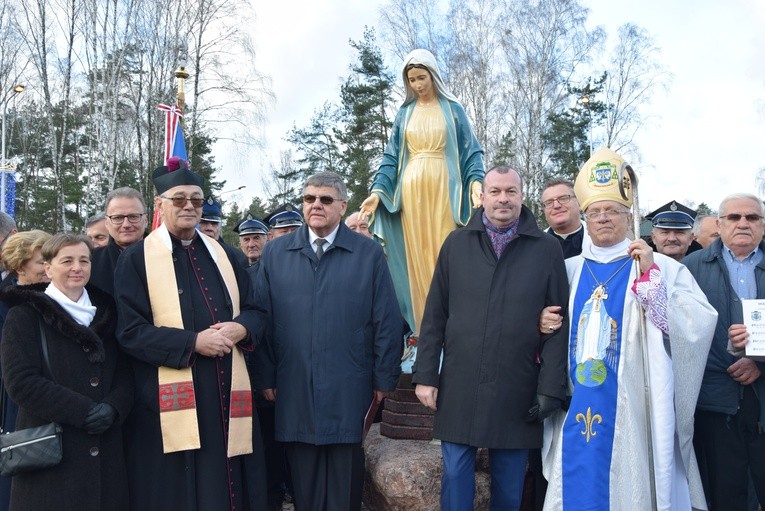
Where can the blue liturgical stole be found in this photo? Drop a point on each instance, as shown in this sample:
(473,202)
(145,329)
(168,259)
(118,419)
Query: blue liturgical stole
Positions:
(594,352)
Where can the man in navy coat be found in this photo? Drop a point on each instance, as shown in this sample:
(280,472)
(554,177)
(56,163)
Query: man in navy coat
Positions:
(335,336)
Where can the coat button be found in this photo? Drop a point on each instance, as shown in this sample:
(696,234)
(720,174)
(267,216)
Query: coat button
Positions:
(94,381)
(180,291)
(94,451)
(86,349)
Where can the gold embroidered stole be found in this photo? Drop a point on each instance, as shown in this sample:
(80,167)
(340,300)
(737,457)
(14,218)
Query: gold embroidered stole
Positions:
(177,404)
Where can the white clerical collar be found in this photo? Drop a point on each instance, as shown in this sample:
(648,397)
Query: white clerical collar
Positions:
(82,311)
(605,254)
(564,236)
(329,237)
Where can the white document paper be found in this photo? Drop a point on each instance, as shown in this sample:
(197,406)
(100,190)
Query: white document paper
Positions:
(754,319)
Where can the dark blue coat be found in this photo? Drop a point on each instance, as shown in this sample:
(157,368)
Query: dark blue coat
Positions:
(719,391)
(334,333)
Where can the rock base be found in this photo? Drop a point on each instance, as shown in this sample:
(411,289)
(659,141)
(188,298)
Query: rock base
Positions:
(405,475)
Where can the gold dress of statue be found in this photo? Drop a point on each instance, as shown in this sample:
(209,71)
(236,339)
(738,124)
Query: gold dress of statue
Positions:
(426,217)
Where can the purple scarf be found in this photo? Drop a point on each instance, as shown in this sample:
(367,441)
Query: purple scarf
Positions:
(500,236)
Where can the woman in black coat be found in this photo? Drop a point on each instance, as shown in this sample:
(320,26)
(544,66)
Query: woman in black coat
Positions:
(90,393)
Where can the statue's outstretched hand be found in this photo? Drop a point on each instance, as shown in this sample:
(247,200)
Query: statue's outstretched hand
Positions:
(369,206)
(476,195)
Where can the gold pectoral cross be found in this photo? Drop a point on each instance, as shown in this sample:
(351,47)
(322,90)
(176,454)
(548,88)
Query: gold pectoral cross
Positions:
(598,296)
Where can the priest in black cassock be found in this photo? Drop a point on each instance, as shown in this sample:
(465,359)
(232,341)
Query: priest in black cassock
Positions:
(185,316)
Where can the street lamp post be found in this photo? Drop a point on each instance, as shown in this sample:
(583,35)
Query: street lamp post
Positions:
(234,190)
(585,100)
(18,89)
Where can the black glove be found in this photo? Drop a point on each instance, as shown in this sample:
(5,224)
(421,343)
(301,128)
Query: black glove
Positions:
(100,417)
(543,407)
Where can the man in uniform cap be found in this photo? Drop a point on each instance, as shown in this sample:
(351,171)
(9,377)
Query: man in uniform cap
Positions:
(253,235)
(620,291)
(283,220)
(672,233)
(186,314)
(212,218)
(210,224)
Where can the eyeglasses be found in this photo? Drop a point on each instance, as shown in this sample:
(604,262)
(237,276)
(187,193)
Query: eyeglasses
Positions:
(562,200)
(610,214)
(179,201)
(735,217)
(133,218)
(324,199)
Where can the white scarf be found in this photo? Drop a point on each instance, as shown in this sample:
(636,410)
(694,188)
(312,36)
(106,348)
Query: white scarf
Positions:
(605,254)
(82,311)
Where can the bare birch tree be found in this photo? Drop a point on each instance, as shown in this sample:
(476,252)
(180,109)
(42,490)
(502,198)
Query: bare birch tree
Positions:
(634,74)
(49,32)
(544,43)
(474,73)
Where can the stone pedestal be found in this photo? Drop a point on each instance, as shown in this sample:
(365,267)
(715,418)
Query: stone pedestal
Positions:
(404,417)
(405,475)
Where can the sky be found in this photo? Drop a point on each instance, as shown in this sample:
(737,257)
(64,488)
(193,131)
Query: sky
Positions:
(702,138)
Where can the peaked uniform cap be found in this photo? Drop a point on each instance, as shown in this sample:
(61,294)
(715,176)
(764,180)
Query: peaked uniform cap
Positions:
(212,211)
(672,215)
(251,225)
(285,215)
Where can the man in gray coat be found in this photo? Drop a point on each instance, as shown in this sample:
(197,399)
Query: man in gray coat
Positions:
(335,339)
(500,378)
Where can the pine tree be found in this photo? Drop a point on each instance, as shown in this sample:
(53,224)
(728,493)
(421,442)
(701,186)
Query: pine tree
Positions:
(364,113)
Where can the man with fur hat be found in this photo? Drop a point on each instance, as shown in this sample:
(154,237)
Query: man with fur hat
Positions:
(596,454)
(185,316)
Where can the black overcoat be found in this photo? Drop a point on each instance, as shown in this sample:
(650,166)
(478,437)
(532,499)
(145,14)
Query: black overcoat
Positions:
(103,266)
(87,368)
(484,313)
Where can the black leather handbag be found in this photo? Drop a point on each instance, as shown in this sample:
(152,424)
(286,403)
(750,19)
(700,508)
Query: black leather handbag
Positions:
(32,448)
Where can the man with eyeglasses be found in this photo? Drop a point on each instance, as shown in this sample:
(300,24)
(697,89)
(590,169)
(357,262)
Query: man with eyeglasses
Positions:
(730,413)
(561,211)
(335,331)
(125,217)
(625,298)
(186,315)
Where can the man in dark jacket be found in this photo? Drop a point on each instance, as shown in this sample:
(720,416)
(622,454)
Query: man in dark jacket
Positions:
(730,412)
(491,281)
(335,336)
(125,212)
